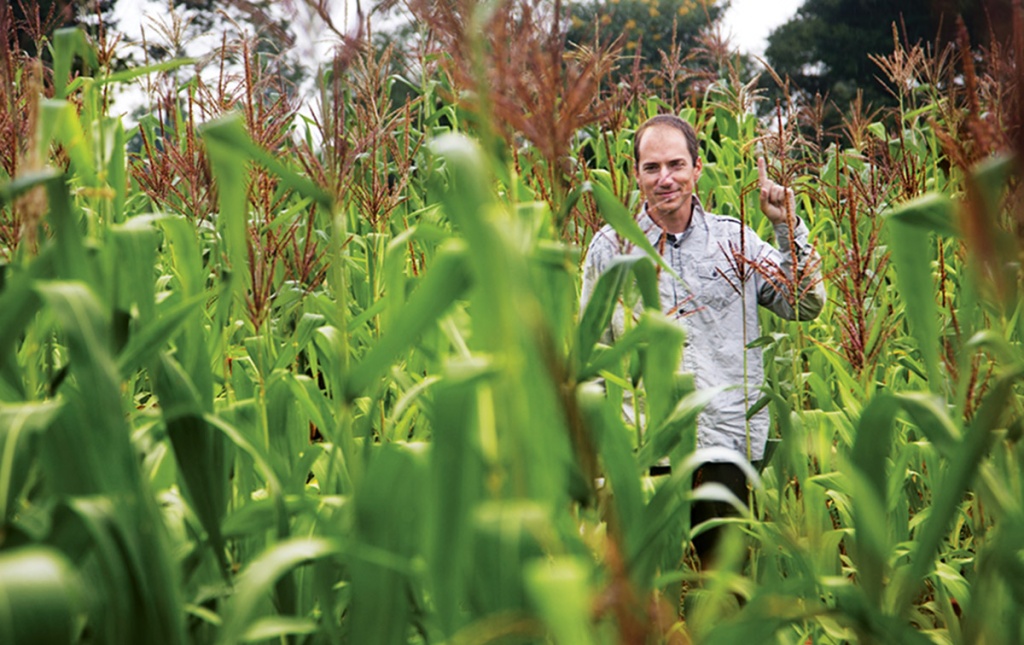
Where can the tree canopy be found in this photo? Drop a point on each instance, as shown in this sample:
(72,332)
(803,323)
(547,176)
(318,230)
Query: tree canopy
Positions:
(645,27)
(825,48)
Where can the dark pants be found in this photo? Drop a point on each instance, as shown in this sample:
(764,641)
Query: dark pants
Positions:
(730,476)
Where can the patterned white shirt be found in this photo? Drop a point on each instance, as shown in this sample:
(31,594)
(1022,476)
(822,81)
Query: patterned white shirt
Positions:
(726,271)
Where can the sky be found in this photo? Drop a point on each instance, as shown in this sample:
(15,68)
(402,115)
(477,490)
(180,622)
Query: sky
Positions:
(750,21)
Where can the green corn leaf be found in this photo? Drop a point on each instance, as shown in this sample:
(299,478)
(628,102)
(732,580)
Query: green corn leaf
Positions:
(132,73)
(874,441)
(278,627)
(667,509)
(870,455)
(661,361)
(447,280)
(609,359)
(288,429)
(256,583)
(929,213)
(153,338)
(26,181)
(678,429)
(259,516)
(89,453)
(314,401)
(617,458)
(229,137)
(259,457)
(992,176)
(136,244)
(230,170)
(297,342)
(90,468)
(597,315)
(60,124)
(559,589)
(961,470)
(117,169)
(70,259)
(625,225)
(929,413)
(192,351)
(468,199)
(456,484)
(396,269)
(20,423)
(199,450)
(85,528)
(388,517)
(911,251)
(185,254)
(41,597)
(19,303)
(136,599)
(507,536)
(68,43)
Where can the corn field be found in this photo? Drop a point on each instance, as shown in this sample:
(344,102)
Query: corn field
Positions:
(277,377)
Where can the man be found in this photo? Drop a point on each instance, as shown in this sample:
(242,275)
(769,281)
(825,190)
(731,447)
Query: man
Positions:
(726,271)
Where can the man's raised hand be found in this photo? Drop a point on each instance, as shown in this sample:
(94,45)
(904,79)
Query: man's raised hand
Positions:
(777,203)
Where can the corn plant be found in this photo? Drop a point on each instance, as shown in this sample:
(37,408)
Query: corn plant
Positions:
(279,378)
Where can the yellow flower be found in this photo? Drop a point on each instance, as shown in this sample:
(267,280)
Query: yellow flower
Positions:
(631,45)
(630,24)
(683,10)
(653,11)
(656,37)
(606,19)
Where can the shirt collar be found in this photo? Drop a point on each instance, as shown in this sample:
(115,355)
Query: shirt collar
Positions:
(654,232)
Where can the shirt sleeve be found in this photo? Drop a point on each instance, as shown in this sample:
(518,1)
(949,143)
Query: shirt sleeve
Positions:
(791,283)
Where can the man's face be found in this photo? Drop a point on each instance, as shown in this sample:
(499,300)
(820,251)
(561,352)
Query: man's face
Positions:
(666,173)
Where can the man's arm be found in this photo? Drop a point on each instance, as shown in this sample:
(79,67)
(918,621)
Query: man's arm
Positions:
(792,286)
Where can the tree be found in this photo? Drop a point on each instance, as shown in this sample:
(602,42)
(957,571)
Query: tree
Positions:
(825,48)
(645,26)
(34,21)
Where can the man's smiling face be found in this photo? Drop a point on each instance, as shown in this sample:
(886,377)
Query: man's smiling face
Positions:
(667,174)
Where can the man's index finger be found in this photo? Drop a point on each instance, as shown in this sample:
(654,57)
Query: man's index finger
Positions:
(762,172)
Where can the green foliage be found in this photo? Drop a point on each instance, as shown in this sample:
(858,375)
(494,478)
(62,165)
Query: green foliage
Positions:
(643,28)
(827,46)
(414,437)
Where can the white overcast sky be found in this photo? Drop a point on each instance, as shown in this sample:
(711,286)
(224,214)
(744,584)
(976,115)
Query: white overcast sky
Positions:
(750,21)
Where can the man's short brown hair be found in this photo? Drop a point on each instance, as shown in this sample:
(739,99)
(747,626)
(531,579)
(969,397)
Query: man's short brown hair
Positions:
(672,121)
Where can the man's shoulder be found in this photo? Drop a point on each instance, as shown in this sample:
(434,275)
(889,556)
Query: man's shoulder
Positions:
(604,238)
